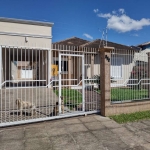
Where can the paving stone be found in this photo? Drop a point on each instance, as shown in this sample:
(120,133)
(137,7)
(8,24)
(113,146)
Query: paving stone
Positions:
(133,140)
(12,135)
(137,148)
(66,147)
(35,133)
(62,140)
(12,145)
(35,125)
(130,127)
(88,119)
(146,146)
(65,142)
(38,144)
(144,134)
(51,124)
(137,126)
(122,131)
(84,138)
(105,135)
(147,130)
(147,122)
(111,124)
(116,145)
(94,125)
(100,118)
(92,146)
(57,131)
(76,128)
(71,121)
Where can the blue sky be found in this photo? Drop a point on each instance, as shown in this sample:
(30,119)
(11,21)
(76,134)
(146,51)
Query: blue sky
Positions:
(127,21)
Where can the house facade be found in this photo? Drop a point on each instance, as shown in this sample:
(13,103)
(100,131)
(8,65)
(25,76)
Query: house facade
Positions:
(25,41)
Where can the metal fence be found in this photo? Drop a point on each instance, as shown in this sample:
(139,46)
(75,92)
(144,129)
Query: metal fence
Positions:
(129,75)
(43,84)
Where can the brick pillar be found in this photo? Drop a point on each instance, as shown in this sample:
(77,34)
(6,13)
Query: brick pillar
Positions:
(148,73)
(105,56)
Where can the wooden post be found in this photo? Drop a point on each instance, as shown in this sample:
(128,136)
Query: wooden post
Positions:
(105,56)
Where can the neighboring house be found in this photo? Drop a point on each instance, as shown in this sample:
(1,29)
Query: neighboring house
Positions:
(68,44)
(144,48)
(24,40)
(119,60)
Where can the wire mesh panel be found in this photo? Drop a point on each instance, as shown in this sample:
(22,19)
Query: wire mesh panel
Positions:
(129,75)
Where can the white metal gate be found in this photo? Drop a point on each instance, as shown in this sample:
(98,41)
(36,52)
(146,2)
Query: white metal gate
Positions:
(72,88)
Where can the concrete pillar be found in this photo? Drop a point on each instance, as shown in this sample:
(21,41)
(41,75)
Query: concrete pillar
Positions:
(105,56)
(69,69)
(92,65)
(148,74)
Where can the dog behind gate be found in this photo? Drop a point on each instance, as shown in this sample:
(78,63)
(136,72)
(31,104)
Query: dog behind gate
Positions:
(25,105)
(56,108)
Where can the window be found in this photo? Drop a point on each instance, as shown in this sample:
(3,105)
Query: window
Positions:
(116,67)
(64,65)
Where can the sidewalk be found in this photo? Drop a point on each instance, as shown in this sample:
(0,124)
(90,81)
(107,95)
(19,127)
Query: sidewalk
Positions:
(92,132)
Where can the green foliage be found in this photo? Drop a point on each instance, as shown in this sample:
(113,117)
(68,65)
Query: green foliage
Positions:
(123,118)
(70,96)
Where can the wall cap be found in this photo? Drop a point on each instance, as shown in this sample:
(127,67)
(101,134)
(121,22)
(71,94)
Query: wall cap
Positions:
(106,49)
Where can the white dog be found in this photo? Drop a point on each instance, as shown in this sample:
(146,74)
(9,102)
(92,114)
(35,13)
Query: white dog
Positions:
(25,105)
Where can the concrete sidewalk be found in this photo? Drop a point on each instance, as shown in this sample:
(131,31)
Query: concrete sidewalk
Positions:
(92,132)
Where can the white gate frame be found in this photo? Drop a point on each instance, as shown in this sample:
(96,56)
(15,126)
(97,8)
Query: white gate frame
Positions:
(83,84)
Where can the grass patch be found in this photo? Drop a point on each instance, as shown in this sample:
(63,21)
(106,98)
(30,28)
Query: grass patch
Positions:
(118,94)
(71,97)
(123,118)
(128,94)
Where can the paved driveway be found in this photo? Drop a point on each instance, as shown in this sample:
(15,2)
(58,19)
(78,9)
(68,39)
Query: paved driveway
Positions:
(92,132)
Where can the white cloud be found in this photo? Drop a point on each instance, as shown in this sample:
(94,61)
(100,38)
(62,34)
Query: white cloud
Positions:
(122,10)
(123,23)
(95,10)
(108,15)
(88,36)
(113,12)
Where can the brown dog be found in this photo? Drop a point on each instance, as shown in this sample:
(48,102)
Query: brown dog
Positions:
(25,105)
(56,108)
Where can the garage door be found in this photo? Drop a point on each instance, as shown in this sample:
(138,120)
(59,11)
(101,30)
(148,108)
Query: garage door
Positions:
(26,74)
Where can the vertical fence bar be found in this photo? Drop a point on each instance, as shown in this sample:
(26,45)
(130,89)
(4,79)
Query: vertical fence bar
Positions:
(1,83)
(60,83)
(9,83)
(5,83)
(83,85)
(1,67)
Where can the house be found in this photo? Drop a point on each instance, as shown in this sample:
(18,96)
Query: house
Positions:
(121,58)
(24,42)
